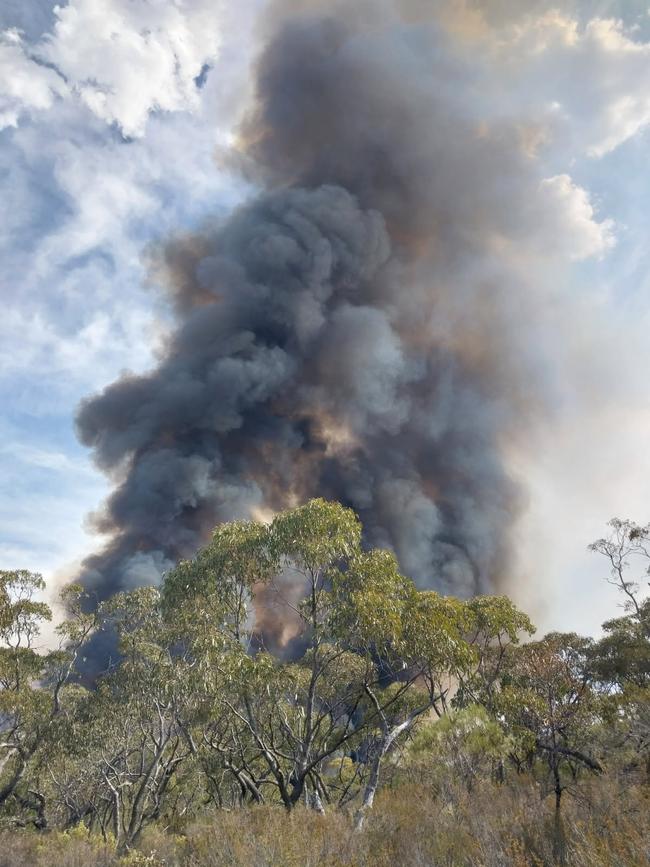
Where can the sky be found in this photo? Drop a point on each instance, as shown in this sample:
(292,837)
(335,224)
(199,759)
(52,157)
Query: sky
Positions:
(116,117)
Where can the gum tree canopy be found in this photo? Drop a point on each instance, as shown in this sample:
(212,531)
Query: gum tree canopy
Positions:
(360,653)
(282,664)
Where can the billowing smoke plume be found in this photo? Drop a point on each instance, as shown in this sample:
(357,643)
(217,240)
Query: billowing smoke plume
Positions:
(362,330)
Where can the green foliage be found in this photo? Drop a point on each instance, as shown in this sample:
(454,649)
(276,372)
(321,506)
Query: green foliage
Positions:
(220,580)
(622,656)
(20,613)
(497,619)
(285,666)
(551,708)
(471,731)
(315,537)
(370,603)
(34,697)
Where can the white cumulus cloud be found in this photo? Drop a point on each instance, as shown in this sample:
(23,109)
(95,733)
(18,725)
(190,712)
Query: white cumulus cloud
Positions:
(577,233)
(122,58)
(588,84)
(24,83)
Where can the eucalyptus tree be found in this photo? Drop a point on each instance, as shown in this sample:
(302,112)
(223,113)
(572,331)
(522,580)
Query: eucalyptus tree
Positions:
(282,718)
(621,658)
(138,709)
(627,551)
(210,600)
(552,708)
(359,653)
(493,627)
(34,683)
(415,646)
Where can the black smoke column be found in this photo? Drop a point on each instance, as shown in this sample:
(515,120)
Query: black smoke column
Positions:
(354,332)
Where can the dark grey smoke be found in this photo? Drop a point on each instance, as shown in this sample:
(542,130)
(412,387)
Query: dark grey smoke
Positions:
(355,332)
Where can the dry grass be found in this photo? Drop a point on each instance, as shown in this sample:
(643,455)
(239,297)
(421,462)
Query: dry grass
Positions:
(410,827)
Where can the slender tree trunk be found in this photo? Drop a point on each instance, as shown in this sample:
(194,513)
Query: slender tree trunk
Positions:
(559,842)
(7,756)
(8,789)
(315,802)
(246,783)
(136,820)
(371,788)
(386,742)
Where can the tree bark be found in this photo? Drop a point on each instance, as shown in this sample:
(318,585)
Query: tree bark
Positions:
(559,842)
(8,790)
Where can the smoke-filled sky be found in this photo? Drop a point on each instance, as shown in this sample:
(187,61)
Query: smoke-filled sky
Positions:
(391,252)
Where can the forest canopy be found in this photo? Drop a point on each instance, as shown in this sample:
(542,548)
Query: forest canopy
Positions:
(286,668)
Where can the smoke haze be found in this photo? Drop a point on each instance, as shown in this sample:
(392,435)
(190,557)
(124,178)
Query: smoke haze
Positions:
(371,326)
